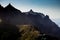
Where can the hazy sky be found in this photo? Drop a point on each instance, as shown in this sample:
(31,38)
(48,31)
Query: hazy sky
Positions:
(47,7)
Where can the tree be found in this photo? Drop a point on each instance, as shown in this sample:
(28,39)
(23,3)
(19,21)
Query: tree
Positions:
(28,32)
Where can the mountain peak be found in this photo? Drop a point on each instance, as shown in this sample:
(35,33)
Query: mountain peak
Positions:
(1,6)
(9,6)
(31,10)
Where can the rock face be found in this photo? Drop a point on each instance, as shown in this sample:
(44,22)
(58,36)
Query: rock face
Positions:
(14,16)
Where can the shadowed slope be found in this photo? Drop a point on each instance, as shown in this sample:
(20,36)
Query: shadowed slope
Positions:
(42,22)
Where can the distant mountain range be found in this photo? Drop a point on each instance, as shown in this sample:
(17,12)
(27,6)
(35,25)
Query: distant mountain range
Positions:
(44,24)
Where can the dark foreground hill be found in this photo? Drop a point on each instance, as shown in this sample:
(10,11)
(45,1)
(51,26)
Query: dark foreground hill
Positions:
(11,15)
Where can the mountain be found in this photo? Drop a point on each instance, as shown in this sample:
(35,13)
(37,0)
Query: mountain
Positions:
(43,23)
(10,10)
(1,10)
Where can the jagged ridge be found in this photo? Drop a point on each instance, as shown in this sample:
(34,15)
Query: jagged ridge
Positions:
(42,22)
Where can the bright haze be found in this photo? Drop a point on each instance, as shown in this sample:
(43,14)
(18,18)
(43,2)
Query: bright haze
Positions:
(47,7)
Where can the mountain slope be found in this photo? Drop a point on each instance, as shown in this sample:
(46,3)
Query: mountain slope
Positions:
(43,23)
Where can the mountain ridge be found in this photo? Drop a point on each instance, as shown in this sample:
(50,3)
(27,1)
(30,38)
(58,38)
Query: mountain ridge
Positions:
(16,17)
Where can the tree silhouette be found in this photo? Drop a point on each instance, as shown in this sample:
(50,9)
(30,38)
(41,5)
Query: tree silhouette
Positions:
(28,32)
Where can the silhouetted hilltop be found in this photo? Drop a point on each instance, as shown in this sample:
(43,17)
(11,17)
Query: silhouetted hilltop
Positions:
(9,7)
(1,7)
(9,10)
(1,10)
(43,23)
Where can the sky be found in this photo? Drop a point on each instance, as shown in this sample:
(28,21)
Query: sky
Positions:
(47,7)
